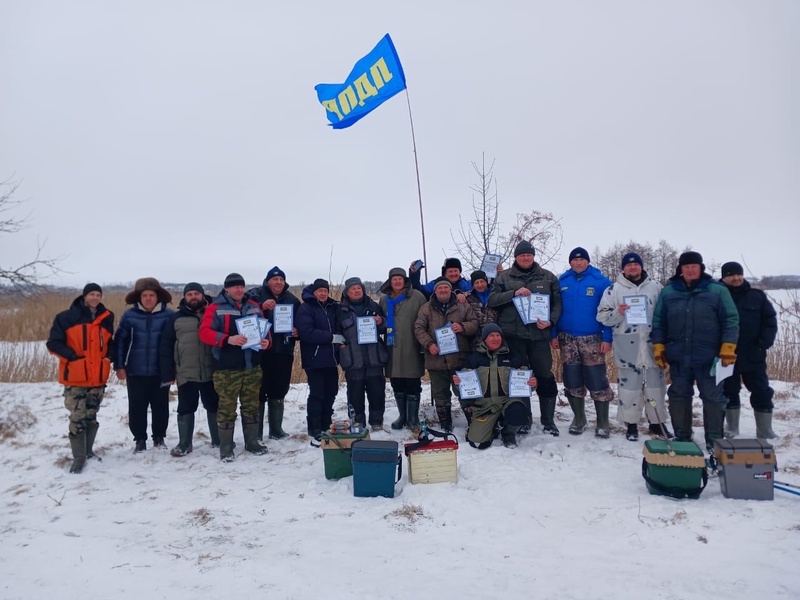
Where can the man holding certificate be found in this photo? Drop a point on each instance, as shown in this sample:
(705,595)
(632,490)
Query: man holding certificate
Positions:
(279,306)
(236,373)
(627,307)
(528,300)
(504,383)
(445,328)
(363,355)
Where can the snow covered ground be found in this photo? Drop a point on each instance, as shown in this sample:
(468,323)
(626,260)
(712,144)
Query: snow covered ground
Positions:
(564,518)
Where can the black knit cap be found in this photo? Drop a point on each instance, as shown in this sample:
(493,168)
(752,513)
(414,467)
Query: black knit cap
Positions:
(732,268)
(319,284)
(478,275)
(92,287)
(579,253)
(193,286)
(632,257)
(690,258)
(275,272)
(490,328)
(524,247)
(233,279)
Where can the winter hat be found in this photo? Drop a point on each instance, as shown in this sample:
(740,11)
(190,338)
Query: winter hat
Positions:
(387,285)
(353,281)
(524,247)
(319,284)
(442,281)
(193,286)
(92,287)
(233,279)
(144,284)
(579,253)
(490,328)
(690,258)
(451,263)
(632,257)
(478,275)
(275,272)
(729,268)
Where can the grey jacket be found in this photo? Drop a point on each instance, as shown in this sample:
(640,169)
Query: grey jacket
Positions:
(537,280)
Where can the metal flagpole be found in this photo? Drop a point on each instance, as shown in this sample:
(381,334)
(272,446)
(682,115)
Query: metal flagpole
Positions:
(419,187)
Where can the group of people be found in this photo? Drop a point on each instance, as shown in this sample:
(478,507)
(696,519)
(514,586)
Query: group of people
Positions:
(447,326)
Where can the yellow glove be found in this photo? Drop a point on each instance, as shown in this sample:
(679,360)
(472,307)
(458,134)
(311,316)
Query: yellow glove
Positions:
(727,354)
(660,354)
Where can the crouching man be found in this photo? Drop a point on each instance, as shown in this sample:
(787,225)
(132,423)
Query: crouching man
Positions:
(494,362)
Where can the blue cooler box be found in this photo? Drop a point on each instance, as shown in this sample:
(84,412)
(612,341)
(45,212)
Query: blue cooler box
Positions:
(377,466)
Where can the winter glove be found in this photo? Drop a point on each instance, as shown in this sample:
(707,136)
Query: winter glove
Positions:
(660,354)
(727,354)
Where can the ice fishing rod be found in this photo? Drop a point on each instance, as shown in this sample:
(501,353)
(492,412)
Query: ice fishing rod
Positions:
(786,489)
(670,450)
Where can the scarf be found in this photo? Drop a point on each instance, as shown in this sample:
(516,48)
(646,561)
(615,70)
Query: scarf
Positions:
(391,303)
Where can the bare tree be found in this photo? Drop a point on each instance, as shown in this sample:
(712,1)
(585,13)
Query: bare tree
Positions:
(659,262)
(28,274)
(484,234)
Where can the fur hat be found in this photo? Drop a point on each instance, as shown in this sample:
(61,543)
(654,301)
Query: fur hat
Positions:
(579,253)
(144,284)
(524,247)
(386,288)
(352,282)
(729,268)
(92,287)
(632,257)
(451,263)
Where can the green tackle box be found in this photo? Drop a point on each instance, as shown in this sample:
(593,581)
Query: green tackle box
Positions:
(337,453)
(674,469)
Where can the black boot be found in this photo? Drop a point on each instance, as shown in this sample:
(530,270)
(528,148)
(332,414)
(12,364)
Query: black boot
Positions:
(78,443)
(158,442)
(314,430)
(185,434)
(141,446)
(445,418)
(213,430)
(275,418)
(261,411)
(632,435)
(509,435)
(412,412)
(681,415)
(91,434)
(713,423)
(226,441)
(602,428)
(655,429)
(250,428)
(547,410)
(401,400)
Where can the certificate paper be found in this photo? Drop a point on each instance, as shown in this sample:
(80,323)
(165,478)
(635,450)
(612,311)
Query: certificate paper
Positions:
(518,383)
(470,386)
(446,340)
(250,328)
(265,326)
(283,316)
(489,265)
(367,330)
(523,306)
(637,313)
(539,308)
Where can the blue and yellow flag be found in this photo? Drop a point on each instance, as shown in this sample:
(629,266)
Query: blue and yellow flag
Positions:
(374,79)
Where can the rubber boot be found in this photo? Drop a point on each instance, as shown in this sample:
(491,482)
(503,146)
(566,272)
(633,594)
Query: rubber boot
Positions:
(213,430)
(764,425)
(401,401)
(509,435)
(713,423)
(578,405)
(655,429)
(250,428)
(445,418)
(547,410)
(602,428)
(261,411)
(732,422)
(314,429)
(275,418)
(91,433)
(78,443)
(226,441)
(185,434)
(412,412)
(526,429)
(681,415)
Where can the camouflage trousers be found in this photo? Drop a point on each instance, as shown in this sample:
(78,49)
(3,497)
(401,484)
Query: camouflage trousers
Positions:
(231,386)
(584,367)
(82,404)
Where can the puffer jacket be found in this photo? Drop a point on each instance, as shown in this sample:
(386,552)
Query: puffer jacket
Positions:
(631,343)
(282,343)
(431,318)
(581,294)
(137,342)
(353,355)
(219,323)
(758,325)
(316,323)
(183,356)
(538,281)
(694,321)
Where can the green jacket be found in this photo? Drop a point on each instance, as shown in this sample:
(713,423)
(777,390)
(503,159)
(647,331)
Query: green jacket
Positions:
(405,356)
(537,280)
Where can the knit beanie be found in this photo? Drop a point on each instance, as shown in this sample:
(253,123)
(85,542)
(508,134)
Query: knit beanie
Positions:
(632,257)
(476,275)
(690,258)
(319,284)
(729,268)
(524,247)
(233,279)
(92,287)
(490,328)
(579,253)
(275,272)
(442,281)
(193,286)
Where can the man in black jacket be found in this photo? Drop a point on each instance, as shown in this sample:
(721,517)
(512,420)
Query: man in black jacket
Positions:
(758,326)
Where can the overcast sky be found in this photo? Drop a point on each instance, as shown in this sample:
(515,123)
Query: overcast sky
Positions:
(184,140)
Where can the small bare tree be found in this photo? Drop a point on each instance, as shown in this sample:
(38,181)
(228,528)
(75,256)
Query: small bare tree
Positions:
(28,274)
(483,234)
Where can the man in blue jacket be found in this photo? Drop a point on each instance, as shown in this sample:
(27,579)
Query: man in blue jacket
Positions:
(583,342)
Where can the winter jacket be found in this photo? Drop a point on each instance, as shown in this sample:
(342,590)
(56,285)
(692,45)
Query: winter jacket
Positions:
(504,360)
(538,281)
(405,355)
(580,295)
(353,355)
(433,316)
(316,324)
(138,340)
(694,321)
(480,304)
(82,344)
(463,285)
(758,325)
(631,343)
(183,356)
(282,343)
(219,323)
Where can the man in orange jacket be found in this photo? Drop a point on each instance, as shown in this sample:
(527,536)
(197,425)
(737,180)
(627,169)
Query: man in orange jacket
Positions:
(81,339)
